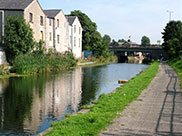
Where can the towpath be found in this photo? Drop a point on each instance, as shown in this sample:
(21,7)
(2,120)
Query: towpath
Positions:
(157,111)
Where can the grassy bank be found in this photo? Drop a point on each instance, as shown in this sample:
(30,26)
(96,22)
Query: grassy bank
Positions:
(177,66)
(105,109)
(38,63)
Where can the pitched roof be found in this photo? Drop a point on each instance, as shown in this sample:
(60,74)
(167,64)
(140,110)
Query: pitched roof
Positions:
(71,19)
(15,4)
(52,13)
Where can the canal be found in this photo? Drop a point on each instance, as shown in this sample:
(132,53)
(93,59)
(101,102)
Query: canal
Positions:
(28,105)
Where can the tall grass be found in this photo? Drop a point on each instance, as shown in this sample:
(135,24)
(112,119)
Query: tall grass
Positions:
(37,63)
(177,65)
(105,109)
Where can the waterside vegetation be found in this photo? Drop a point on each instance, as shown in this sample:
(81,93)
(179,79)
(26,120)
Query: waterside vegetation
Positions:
(177,66)
(26,56)
(172,36)
(106,108)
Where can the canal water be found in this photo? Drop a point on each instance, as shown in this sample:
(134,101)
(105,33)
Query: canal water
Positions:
(28,105)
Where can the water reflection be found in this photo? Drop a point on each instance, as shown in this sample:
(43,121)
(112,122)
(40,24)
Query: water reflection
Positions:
(29,104)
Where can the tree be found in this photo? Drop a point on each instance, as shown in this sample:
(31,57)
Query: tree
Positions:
(114,43)
(145,41)
(122,40)
(18,37)
(89,29)
(159,42)
(92,39)
(172,36)
(107,40)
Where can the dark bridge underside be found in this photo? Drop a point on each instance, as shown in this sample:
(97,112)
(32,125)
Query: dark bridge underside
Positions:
(150,52)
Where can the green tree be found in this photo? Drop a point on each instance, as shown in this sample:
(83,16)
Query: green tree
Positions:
(172,36)
(89,29)
(107,40)
(122,40)
(99,46)
(92,39)
(159,42)
(18,37)
(145,41)
(114,43)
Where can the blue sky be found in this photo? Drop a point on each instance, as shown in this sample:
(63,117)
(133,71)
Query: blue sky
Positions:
(122,18)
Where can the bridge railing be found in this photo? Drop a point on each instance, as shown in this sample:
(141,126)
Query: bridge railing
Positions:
(146,47)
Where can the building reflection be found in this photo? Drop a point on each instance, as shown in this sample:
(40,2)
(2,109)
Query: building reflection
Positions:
(58,95)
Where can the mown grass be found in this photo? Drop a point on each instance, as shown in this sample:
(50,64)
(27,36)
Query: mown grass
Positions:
(176,64)
(105,109)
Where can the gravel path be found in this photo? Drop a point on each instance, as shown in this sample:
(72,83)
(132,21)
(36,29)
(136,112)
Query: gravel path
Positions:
(157,111)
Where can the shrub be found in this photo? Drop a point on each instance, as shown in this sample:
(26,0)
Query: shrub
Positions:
(4,69)
(18,37)
(38,63)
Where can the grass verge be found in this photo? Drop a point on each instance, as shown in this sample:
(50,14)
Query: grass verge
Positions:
(105,109)
(176,64)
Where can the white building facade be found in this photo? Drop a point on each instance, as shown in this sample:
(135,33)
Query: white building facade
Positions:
(75,34)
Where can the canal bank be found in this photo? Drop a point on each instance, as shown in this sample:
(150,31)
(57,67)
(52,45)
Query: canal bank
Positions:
(40,99)
(157,111)
(106,108)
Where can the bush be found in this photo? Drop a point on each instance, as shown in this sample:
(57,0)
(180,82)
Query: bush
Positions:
(177,65)
(4,69)
(38,63)
(18,37)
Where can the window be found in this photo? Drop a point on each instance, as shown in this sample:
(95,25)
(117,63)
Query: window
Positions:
(50,22)
(74,28)
(41,35)
(79,30)
(75,41)
(41,20)
(71,40)
(79,42)
(58,38)
(31,17)
(57,22)
(50,36)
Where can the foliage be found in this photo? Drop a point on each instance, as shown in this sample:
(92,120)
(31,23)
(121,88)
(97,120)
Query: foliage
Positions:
(40,49)
(159,42)
(172,36)
(92,39)
(177,65)
(114,43)
(145,41)
(122,40)
(89,29)
(107,40)
(18,37)
(106,108)
(4,69)
(37,63)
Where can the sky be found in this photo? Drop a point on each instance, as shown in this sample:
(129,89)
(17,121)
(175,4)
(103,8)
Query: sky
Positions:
(123,18)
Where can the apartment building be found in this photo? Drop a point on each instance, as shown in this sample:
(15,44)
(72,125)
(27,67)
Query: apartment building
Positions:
(30,10)
(59,33)
(57,28)
(75,34)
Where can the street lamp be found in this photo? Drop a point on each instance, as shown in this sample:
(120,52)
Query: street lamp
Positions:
(170,14)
